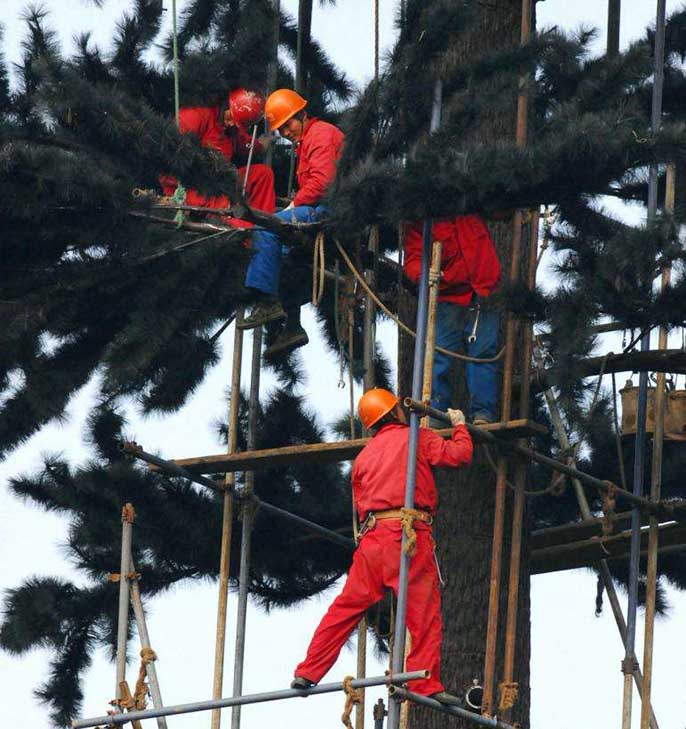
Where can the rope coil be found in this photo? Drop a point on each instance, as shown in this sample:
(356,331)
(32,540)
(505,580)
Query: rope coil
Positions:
(353,697)
(407,517)
(318,268)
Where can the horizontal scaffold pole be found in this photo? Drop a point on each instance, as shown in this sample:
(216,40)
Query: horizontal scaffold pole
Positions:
(326,688)
(405,695)
(604,486)
(135,450)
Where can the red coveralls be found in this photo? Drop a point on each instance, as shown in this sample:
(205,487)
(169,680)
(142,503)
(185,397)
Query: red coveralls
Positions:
(233,143)
(378,477)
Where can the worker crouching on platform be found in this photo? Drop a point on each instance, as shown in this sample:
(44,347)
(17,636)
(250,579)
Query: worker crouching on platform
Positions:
(318,146)
(378,481)
(228,129)
(470,272)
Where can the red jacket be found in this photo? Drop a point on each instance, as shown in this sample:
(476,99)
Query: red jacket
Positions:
(206,123)
(318,152)
(379,472)
(469,261)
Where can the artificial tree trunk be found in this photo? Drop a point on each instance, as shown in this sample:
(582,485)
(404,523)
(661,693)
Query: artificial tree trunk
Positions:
(464,528)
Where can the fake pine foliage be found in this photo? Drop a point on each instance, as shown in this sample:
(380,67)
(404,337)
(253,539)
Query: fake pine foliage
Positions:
(86,287)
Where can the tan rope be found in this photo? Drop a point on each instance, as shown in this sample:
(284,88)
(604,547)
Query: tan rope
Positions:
(508,695)
(140,691)
(318,268)
(402,325)
(407,517)
(352,698)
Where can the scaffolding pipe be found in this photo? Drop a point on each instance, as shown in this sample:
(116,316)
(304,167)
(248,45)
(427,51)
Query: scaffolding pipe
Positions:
(248,514)
(521,471)
(172,468)
(272,70)
(506,406)
(402,694)
(144,637)
(642,406)
(127,517)
(434,285)
(326,688)
(227,519)
(584,508)
(604,486)
(417,381)
(655,489)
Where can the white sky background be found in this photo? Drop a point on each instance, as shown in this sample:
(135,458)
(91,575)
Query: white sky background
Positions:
(575,673)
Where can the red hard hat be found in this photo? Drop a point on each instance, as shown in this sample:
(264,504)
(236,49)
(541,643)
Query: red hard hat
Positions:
(246,107)
(374,404)
(281,106)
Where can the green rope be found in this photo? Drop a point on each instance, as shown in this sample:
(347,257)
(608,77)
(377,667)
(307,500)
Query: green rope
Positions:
(179,198)
(176,62)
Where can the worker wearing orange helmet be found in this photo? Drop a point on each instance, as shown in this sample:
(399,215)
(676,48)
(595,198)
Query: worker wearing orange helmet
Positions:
(227,128)
(318,146)
(378,480)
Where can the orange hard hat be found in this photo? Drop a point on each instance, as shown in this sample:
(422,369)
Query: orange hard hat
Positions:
(281,106)
(374,404)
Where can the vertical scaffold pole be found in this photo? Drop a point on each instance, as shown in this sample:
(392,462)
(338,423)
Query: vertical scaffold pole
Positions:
(434,285)
(272,70)
(127,516)
(227,521)
(144,637)
(614,13)
(655,489)
(248,515)
(585,510)
(417,380)
(506,404)
(629,654)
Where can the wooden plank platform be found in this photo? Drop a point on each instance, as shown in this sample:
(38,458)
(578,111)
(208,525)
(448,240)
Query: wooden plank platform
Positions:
(344,450)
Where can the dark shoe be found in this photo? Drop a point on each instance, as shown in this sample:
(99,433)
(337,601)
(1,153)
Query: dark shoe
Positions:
(482,419)
(445,698)
(288,340)
(263,313)
(302,683)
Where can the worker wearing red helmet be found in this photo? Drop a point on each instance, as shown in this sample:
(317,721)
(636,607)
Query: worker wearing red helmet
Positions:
(378,481)
(318,146)
(228,130)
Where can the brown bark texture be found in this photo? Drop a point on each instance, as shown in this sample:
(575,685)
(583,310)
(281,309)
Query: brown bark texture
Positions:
(464,528)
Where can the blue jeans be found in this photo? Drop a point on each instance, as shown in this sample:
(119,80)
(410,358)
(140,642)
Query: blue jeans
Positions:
(264,270)
(454,324)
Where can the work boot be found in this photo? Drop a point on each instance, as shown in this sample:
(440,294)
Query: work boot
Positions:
(302,683)
(263,313)
(445,698)
(288,340)
(482,419)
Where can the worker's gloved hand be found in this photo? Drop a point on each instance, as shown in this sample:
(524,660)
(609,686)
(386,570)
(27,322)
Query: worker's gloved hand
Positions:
(456,417)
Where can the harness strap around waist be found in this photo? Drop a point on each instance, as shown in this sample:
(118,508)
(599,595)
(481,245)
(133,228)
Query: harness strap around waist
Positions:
(407,518)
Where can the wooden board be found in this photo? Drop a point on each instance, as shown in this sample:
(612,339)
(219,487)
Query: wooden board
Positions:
(344,450)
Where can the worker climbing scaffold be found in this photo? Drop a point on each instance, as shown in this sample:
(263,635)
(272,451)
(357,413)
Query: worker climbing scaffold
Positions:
(378,482)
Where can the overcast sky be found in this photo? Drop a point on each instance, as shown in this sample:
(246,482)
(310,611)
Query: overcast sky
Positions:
(575,676)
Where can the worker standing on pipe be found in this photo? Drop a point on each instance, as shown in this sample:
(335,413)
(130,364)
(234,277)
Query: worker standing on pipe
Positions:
(318,146)
(378,479)
(470,272)
(227,128)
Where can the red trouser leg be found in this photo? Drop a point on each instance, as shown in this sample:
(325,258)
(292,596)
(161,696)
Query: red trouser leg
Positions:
(363,588)
(260,187)
(423,614)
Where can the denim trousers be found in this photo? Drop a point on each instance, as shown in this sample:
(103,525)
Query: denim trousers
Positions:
(454,324)
(264,270)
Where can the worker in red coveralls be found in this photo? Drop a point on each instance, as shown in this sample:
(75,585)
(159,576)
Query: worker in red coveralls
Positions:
(378,479)
(318,146)
(470,272)
(228,130)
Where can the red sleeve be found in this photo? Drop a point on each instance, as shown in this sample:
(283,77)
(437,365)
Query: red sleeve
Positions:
(323,151)
(414,236)
(455,452)
(192,121)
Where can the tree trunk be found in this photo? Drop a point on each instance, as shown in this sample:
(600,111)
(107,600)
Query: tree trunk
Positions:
(464,528)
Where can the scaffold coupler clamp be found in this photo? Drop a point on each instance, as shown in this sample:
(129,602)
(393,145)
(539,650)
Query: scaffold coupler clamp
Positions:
(629,665)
